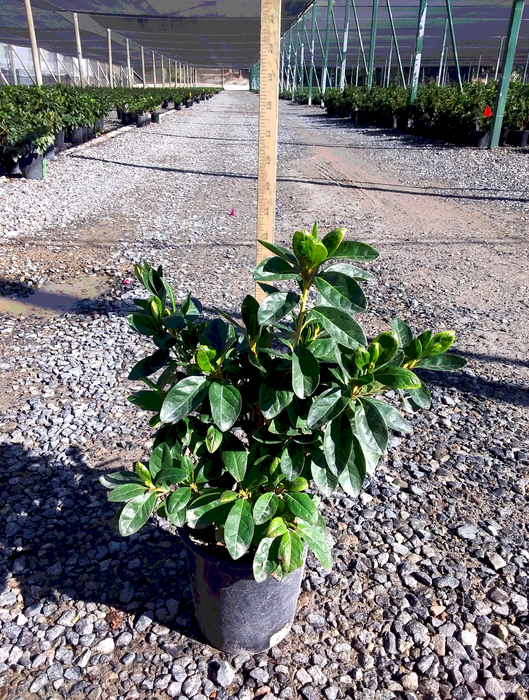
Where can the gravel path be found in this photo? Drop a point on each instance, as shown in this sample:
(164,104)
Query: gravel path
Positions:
(428,595)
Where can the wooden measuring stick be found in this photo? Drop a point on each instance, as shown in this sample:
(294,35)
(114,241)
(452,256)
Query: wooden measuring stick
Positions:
(268,113)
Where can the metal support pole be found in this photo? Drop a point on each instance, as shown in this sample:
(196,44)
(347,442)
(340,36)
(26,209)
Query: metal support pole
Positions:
(110,64)
(143,66)
(326,51)
(469,76)
(479,68)
(129,69)
(443,54)
(421,23)
(12,65)
(499,58)
(47,65)
(295,70)
(507,63)
(79,48)
(97,74)
(163,72)
(357,66)
(281,66)
(372,42)
(390,59)
(72,78)
(33,41)
(24,67)
(302,55)
(394,35)
(410,70)
(288,58)
(344,45)
(6,81)
(153,69)
(454,45)
(312,28)
(360,42)
(525,69)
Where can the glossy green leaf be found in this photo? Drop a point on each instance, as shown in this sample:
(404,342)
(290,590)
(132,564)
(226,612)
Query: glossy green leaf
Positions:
(316,251)
(266,558)
(265,507)
(274,270)
(272,398)
(213,439)
(389,345)
(338,443)
(149,365)
(143,473)
(397,378)
(403,332)
(371,427)
(183,398)
(392,417)
(291,551)
(323,477)
(341,292)
(146,400)
(305,372)
(354,250)
(333,239)
(161,458)
(421,397)
(124,492)
(206,357)
(277,527)
(276,306)
(298,484)
(317,541)
(226,402)
(325,350)
(235,459)
(205,508)
(442,363)
(302,506)
(229,496)
(280,251)
(292,460)
(175,321)
(340,325)
(110,481)
(299,245)
(249,310)
(191,308)
(327,406)
(135,513)
(440,343)
(351,271)
(179,499)
(352,477)
(144,325)
(414,349)
(238,529)
(166,477)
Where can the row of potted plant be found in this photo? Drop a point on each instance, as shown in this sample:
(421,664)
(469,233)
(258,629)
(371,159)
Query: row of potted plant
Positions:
(35,121)
(441,112)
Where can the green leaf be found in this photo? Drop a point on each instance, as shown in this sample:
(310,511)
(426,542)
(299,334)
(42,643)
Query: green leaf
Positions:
(351,271)
(393,418)
(265,507)
(324,479)
(340,325)
(302,506)
(135,513)
(213,439)
(167,477)
(440,343)
(235,458)
(277,527)
(442,363)
(144,325)
(204,510)
(414,349)
(298,484)
(183,398)
(276,306)
(325,350)
(327,406)
(170,294)
(229,496)
(397,378)
(238,529)
(292,460)
(143,473)
(389,345)
(338,443)
(274,270)
(266,559)
(191,308)
(175,321)
(280,251)
(126,491)
(317,541)
(305,372)
(403,332)
(146,400)
(341,292)
(371,427)
(205,358)
(179,499)
(226,404)
(272,398)
(249,309)
(215,333)
(291,551)
(333,239)
(353,250)
(110,481)
(421,396)
(149,365)
(161,458)
(316,251)
(299,245)
(354,474)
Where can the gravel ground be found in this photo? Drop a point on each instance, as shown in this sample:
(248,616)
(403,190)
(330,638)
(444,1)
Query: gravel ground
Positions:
(428,595)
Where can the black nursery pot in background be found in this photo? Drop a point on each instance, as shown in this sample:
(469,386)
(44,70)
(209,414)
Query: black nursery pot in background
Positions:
(234,612)
(32,166)
(59,140)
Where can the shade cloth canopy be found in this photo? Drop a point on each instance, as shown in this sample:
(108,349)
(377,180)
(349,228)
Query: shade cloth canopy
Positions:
(225,33)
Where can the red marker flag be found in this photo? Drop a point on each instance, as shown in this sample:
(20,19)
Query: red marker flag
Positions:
(232,212)
(487,112)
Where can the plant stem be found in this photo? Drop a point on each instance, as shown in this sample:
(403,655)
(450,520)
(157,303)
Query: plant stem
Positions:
(302,312)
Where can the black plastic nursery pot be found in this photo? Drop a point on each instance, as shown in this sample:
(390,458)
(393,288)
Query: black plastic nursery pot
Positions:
(143,120)
(479,139)
(178,105)
(155,117)
(189,103)
(49,153)
(32,166)
(77,135)
(59,139)
(166,104)
(100,124)
(234,612)
(517,138)
(89,133)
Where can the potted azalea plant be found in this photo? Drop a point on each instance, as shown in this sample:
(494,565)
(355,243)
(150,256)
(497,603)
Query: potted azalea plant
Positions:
(253,417)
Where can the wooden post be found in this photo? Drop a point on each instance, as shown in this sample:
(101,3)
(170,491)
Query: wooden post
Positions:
(33,41)
(79,48)
(268,116)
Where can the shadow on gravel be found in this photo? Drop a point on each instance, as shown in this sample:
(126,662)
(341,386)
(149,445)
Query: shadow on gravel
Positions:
(58,543)
(323,183)
(479,386)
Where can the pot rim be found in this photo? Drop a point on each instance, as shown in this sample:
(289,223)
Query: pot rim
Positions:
(196,549)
